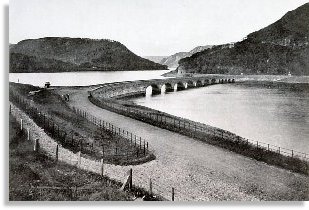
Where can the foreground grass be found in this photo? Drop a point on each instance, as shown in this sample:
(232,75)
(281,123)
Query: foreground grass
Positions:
(28,171)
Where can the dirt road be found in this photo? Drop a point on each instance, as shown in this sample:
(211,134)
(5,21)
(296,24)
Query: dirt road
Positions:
(196,170)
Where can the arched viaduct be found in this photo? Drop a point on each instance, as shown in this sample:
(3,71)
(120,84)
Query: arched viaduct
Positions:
(157,86)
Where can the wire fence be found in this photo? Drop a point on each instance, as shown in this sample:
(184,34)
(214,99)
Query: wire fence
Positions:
(127,147)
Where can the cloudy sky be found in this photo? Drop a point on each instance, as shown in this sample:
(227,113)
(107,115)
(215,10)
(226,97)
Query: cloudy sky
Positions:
(147,27)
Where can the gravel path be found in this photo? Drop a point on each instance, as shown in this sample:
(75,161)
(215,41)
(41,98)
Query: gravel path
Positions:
(198,171)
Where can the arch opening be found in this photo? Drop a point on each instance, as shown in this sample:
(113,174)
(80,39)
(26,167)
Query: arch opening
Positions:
(180,86)
(168,87)
(190,84)
(199,83)
(155,89)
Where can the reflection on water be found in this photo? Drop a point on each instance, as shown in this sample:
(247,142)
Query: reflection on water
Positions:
(272,113)
(83,78)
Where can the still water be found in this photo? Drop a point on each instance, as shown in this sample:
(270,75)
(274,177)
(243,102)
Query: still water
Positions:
(268,112)
(83,78)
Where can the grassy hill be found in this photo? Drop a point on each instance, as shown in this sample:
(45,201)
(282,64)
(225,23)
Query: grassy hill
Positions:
(56,54)
(280,48)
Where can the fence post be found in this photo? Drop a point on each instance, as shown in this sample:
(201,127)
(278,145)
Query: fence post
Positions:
(292,153)
(144,148)
(28,134)
(102,168)
(130,179)
(279,150)
(173,194)
(57,153)
(150,186)
(21,124)
(36,145)
(267,147)
(257,144)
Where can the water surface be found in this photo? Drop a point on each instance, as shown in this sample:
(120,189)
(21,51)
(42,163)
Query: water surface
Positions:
(84,78)
(269,112)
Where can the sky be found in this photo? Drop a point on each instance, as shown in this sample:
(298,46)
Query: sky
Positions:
(146,27)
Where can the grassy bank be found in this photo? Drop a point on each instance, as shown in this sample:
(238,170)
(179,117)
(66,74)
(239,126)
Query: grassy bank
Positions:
(77,133)
(34,176)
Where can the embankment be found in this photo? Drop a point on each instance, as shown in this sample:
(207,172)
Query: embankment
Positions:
(109,97)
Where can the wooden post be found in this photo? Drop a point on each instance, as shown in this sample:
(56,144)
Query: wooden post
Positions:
(292,153)
(140,142)
(102,167)
(130,179)
(144,148)
(36,145)
(57,153)
(147,145)
(150,186)
(21,124)
(267,147)
(28,134)
(279,150)
(257,144)
(173,194)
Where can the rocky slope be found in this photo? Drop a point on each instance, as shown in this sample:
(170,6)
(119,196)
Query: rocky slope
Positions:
(280,48)
(56,54)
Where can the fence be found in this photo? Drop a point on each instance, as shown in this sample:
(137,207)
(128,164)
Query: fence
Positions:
(135,149)
(191,128)
(140,143)
(42,140)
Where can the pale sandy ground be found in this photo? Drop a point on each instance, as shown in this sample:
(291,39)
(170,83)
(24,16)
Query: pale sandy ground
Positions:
(198,171)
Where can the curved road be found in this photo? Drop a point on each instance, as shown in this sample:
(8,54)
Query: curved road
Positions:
(197,170)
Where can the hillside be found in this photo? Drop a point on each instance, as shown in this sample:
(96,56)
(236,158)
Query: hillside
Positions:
(172,61)
(280,48)
(156,59)
(55,54)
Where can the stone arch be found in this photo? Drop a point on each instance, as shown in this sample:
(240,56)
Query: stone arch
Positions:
(180,86)
(153,89)
(168,87)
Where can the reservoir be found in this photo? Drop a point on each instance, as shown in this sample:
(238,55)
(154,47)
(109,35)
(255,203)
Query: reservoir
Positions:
(274,113)
(84,78)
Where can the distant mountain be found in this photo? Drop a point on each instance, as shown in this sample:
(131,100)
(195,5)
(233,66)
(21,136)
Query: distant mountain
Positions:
(280,48)
(172,61)
(56,54)
(156,59)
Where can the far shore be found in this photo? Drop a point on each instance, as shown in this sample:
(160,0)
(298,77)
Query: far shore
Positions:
(240,78)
